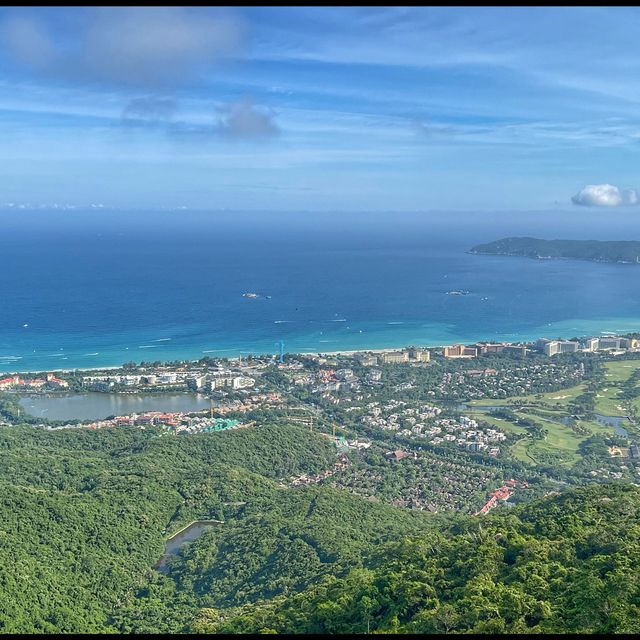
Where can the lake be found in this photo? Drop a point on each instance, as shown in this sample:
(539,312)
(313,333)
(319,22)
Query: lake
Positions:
(188,534)
(95,406)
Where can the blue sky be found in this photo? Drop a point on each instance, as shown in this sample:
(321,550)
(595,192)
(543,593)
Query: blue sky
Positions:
(320,108)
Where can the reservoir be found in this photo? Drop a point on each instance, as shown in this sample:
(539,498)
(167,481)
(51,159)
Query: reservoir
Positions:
(188,534)
(96,406)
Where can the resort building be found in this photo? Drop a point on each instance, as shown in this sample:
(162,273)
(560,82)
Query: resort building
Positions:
(460,351)
(553,347)
(419,355)
(395,357)
(606,343)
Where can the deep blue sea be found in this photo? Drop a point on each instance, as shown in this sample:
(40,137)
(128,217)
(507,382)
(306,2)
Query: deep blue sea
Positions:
(83,289)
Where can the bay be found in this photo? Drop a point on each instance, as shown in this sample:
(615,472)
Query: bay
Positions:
(88,289)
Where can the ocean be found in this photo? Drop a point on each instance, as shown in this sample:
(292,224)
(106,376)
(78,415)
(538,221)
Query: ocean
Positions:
(82,289)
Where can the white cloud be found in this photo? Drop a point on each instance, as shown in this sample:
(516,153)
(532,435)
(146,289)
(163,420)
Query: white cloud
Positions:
(605,195)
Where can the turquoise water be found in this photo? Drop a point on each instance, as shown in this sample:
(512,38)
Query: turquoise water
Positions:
(78,290)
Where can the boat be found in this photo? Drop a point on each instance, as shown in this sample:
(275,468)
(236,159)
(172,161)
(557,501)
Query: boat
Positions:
(250,295)
(458,293)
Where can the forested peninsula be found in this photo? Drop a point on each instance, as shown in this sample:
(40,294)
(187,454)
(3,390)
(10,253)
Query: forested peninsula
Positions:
(616,251)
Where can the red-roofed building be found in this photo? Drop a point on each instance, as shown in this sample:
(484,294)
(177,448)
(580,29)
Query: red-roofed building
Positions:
(503,493)
(56,382)
(397,455)
(9,382)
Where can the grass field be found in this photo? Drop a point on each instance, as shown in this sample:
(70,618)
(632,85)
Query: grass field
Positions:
(561,443)
(562,397)
(560,440)
(519,451)
(607,401)
(621,370)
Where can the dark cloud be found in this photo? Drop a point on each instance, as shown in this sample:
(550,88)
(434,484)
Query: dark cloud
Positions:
(244,120)
(149,110)
(236,120)
(134,47)
(153,51)
(432,129)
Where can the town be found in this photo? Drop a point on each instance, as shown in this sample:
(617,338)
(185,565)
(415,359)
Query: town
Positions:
(461,427)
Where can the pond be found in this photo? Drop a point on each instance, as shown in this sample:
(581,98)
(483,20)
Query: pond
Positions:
(188,534)
(96,406)
(616,422)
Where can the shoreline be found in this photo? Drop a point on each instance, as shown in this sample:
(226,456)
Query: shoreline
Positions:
(524,339)
(231,358)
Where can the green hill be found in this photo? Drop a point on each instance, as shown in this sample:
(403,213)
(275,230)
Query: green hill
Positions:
(564,564)
(84,517)
(619,251)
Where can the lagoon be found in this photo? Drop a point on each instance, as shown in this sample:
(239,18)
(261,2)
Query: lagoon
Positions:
(95,406)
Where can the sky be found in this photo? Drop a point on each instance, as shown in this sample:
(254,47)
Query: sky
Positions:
(321,108)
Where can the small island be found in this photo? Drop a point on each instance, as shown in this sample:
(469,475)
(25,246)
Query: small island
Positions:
(615,251)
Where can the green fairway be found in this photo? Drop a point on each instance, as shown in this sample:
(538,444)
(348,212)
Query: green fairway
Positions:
(519,451)
(560,437)
(561,443)
(621,370)
(562,397)
(608,403)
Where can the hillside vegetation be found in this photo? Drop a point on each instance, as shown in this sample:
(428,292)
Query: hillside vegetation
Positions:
(84,517)
(564,564)
(594,250)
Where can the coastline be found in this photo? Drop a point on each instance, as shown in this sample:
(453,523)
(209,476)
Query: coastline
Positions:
(232,358)
(380,343)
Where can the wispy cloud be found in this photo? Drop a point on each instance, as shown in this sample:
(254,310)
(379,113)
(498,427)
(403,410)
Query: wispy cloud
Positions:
(154,110)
